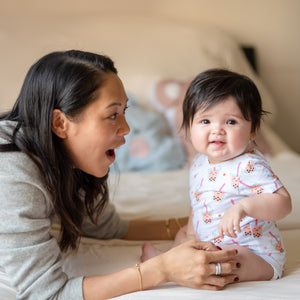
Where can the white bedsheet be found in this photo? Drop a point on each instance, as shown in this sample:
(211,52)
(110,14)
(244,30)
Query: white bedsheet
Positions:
(102,257)
(161,195)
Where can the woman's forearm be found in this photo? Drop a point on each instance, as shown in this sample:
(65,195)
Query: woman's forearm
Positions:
(123,282)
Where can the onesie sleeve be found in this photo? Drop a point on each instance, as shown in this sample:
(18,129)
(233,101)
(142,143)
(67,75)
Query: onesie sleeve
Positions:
(257,177)
(29,255)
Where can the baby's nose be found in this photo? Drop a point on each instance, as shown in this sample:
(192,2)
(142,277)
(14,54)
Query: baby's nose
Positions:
(218,130)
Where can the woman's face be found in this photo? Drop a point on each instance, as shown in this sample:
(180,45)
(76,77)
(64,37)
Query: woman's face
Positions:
(92,138)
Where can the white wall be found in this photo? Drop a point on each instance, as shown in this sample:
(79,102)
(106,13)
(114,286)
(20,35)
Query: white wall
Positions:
(271,26)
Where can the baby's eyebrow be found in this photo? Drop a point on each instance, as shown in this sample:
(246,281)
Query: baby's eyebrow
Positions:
(236,116)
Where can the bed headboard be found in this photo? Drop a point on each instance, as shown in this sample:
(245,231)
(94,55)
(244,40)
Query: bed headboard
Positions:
(144,48)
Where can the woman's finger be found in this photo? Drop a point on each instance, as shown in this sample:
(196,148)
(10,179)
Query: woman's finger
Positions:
(223,255)
(215,282)
(221,281)
(223,267)
(209,287)
(208,246)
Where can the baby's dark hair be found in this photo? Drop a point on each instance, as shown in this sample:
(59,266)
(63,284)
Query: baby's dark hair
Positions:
(215,85)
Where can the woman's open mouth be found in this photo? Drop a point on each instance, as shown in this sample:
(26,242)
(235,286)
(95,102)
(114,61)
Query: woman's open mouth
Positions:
(110,154)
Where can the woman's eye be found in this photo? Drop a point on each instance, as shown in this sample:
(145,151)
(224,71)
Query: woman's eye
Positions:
(205,121)
(114,116)
(231,122)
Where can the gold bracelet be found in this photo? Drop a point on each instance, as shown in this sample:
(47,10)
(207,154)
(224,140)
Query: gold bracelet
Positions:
(177,222)
(137,266)
(168,229)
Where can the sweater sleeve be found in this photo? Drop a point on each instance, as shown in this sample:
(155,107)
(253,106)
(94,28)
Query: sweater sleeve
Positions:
(29,255)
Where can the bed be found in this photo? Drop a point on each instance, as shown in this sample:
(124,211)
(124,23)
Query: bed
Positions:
(156,59)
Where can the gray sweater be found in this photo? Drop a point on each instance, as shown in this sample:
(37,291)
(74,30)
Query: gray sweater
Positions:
(29,256)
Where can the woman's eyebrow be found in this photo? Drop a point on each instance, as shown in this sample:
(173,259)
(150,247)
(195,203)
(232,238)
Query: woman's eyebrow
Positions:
(116,104)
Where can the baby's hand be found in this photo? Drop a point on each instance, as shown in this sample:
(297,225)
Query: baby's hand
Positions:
(230,222)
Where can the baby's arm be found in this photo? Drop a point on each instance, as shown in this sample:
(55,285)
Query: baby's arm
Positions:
(270,207)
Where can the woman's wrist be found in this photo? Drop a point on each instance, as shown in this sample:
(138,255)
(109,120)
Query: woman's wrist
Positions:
(152,272)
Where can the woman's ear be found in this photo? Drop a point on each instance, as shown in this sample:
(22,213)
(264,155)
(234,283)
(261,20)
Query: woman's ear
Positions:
(59,123)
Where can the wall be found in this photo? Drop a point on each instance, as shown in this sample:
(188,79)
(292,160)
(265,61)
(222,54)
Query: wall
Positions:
(269,25)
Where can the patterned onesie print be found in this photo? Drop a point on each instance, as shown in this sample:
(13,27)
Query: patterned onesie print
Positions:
(214,188)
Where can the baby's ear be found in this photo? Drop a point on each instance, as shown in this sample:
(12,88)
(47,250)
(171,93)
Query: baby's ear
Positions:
(263,144)
(59,123)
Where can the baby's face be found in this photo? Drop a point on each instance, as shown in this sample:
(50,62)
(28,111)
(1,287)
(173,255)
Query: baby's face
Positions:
(221,132)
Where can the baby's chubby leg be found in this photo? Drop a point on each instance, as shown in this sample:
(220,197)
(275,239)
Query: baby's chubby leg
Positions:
(149,251)
(253,267)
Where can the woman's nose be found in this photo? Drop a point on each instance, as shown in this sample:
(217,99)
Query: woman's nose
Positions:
(124,127)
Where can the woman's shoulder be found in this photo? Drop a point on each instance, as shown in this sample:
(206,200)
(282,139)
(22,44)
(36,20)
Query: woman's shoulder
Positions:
(6,130)
(14,161)
(22,188)
(18,164)
(18,170)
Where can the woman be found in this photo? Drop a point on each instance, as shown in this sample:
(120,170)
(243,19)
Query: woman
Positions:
(56,146)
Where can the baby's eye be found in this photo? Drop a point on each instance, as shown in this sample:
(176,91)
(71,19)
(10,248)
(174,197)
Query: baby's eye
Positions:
(205,121)
(231,122)
(125,109)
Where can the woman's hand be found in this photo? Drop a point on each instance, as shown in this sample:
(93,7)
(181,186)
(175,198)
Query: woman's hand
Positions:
(193,264)
(230,222)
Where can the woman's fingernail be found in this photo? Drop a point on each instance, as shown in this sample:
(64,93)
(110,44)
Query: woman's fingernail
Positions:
(236,279)
(238,265)
(219,248)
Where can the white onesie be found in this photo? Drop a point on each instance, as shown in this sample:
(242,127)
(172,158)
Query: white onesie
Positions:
(214,188)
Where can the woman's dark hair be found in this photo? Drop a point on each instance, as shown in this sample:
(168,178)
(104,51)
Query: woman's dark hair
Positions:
(67,81)
(215,85)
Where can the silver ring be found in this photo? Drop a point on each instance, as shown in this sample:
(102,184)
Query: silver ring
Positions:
(218,269)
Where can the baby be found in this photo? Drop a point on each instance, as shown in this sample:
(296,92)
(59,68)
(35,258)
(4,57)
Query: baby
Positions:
(235,197)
